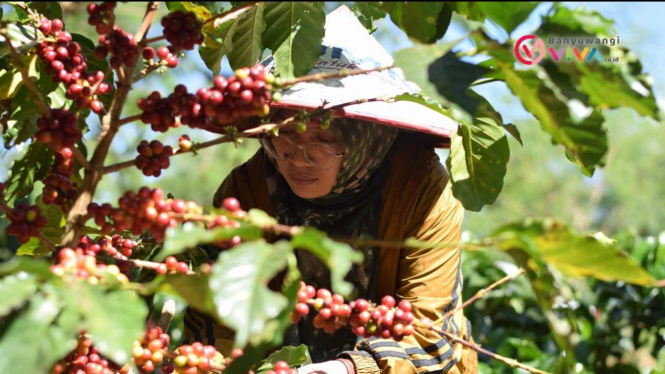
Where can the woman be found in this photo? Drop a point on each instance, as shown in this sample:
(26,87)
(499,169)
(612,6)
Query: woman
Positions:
(361,178)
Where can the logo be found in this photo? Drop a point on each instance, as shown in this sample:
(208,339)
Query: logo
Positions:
(538,46)
(529,55)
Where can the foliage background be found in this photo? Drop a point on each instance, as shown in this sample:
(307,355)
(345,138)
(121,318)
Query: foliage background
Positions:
(622,327)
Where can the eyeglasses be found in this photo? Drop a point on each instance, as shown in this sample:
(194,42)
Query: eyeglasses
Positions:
(319,155)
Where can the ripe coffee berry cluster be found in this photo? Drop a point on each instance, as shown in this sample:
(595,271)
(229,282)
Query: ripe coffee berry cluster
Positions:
(182,30)
(114,246)
(64,163)
(366,320)
(145,210)
(101,16)
(153,157)
(26,222)
(65,63)
(161,113)
(246,94)
(282,367)
(172,265)
(197,359)
(75,264)
(112,40)
(149,352)
(60,131)
(86,359)
(59,190)
(232,205)
(120,45)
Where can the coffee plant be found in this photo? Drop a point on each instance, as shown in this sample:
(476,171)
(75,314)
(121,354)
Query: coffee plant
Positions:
(77,299)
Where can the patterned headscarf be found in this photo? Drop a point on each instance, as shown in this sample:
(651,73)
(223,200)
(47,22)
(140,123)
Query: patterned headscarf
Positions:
(359,181)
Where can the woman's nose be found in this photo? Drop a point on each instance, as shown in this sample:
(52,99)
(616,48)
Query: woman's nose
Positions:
(299,158)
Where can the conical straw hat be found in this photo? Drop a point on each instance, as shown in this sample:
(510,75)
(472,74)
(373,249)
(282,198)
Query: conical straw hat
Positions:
(348,45)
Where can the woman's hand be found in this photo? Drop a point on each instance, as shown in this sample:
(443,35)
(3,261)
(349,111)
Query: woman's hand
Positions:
(328,367)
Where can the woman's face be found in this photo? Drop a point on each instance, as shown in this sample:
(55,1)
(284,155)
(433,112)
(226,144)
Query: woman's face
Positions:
(306,180)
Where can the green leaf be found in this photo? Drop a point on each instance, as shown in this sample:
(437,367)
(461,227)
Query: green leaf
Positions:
(99,310)
(193,289)
(585,141)
(201,12)
(260,218)
(294,356)
(608,88)
(273,333)
(572,254)
(54,215)
(508,15)
(294,32)
(32,342)
(23,38)
(247,38)
(453,77)
(58,98)
(514,131)
(10,82)
(16,290)
(212,58)
(28,265)
(238,283)
(339,257)
(190,235)
(419,20)
(565,21)
(217,45)
(426,101)
(477,162)
(415,63)
(443,21)
(34,247)
(470,9)
(49,9)
(368,12)
(485,109)
(32,167)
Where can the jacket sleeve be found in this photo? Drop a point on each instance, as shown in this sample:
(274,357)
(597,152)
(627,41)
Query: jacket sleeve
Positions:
(431,279)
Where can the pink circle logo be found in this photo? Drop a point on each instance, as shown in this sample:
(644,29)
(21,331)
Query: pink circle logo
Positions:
(534,54)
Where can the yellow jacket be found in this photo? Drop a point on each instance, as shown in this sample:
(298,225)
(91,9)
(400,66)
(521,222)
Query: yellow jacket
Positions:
(417,202)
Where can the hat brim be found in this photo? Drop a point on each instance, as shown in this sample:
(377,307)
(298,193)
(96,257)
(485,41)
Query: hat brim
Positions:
(404,115)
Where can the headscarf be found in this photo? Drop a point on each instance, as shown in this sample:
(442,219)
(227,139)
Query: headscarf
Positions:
(358,185)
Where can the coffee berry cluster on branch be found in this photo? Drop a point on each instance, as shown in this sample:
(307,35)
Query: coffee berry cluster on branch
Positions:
(60,133)
(113,40)
(85,359)
(145,210)
(150,350)
(65,63)
(26,221)
(182,30)
(75,264)
(153,157)
(246,94)
(172,265)
(332,313)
